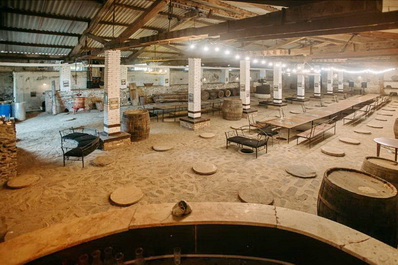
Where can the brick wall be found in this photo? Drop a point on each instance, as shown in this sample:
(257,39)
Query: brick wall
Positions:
(8,150)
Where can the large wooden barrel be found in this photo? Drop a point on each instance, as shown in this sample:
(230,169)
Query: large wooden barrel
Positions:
(232,109)
(235,91)
(213,93)
(136,123)
(382,168)
(396,128)
(227,93)
(79,103)
(204,95)
(219,92)
(360,201)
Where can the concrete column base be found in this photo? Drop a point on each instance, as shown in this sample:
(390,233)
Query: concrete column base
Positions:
(113,141)
(246,112)
(194,124)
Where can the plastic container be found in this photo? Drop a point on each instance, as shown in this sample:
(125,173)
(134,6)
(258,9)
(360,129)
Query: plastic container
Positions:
(18,111)
(5,109)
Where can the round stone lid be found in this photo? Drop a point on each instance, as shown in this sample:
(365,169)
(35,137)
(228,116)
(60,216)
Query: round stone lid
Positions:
(256,195)
(203,168)
(125,196)
(207,135)
(362,131)
(349,140)
(332,151)
(162,148)
(301,171)
(22,181)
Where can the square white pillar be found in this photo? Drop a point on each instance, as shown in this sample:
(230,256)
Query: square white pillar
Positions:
(112,92)
(300,86)
(329,85)
(224,78)
(123,76)
(194,87)
(340,87)
(65,78)
(277,85)
(262,73)
(245,83)
(317,85)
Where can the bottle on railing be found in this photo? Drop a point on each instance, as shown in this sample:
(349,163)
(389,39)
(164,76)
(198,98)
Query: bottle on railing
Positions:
(83,260)
(109,259)
(119,257)
(96,257)
(139,256)
(177,256)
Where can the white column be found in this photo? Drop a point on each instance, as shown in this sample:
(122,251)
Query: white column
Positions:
(329,85)
(277,84)
(112,92)
(300,86)
(262,74)
(123,76)
(224,78)
(194,87)
(65,78)
(341,84)
(317,85)
(245,83)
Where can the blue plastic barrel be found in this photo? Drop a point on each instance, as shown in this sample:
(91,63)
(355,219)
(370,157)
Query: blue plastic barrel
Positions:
(5,109)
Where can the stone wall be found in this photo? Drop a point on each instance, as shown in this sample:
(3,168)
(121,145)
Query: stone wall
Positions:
(8,150)
(6,86)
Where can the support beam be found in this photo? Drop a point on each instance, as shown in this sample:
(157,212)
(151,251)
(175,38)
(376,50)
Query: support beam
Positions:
(340,87)
(329,82)
(301,85)
(112,92)
(93,23)
(96,38)
(134,55)
(234,9)
(317,86)
(13,56)
(194,88)
(152,11)
(67,34)
(126,25)
(163,14)
(36,44)
(201,5)
(41,14)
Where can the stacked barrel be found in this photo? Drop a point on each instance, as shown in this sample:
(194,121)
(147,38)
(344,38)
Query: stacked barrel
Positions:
(219,93)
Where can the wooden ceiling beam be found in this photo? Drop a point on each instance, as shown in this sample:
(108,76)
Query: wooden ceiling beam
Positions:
(67,34)
(126,25)
(96,38)
(379,35)
(148,14)
(136,8)
(214,10)
(227,6)
(351,54)
(42,14)
(36,44)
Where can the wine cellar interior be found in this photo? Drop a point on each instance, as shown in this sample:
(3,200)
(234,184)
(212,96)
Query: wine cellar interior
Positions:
(198,132)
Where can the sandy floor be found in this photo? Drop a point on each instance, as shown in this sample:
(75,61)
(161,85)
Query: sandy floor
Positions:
(68,192)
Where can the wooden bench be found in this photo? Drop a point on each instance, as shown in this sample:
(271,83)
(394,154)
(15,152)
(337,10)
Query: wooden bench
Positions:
(86,143)
(317,130)
(359,113)
(261,140)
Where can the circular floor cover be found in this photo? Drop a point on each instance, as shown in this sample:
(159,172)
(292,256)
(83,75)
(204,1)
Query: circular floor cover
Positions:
(362,131)
(388,109)
(332,151)
(295,112)
(203,168)
(125,196)
(22,181)
(207,135)
(349,140)
(162,148)
(377,126)
(380,119)
(384,114)
(301,171)
(256,195)
(101,161)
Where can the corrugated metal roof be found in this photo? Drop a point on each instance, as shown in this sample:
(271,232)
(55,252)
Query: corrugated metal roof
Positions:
(37,38)
(76,8)
(5,48)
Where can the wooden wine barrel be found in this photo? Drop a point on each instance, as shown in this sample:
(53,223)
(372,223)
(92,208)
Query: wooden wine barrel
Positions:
(220,93)
(232,109)
(235,91)
(227,93)
(204,95)
(79,103)
(382,168)
(396,128)
(213,94)
(360,201)
(137,123)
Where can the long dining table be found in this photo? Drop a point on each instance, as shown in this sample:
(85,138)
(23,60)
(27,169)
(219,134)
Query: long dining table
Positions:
(320,113)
